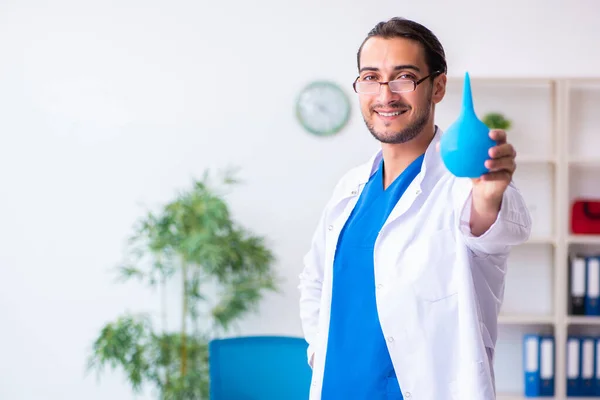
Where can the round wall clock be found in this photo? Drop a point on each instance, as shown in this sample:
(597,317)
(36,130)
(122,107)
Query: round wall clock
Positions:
(323,108)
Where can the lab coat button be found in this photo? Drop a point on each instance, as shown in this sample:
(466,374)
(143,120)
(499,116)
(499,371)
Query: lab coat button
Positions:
(354,192)
(407,395)
(418,191)
(379,286)
(330,227)
(390,339)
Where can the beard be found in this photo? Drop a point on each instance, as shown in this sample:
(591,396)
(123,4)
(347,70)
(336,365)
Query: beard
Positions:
(409,132)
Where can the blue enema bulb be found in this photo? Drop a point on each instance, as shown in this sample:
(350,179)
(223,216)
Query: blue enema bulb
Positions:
(465,145)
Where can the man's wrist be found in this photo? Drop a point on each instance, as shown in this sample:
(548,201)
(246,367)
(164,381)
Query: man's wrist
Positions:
(486,206)
(484,213)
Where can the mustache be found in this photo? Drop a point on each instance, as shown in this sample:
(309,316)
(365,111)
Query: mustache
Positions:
(399,106)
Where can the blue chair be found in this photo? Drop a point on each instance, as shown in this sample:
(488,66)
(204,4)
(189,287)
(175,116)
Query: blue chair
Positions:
(259,368)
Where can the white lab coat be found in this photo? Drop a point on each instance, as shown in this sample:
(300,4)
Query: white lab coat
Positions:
(438,288)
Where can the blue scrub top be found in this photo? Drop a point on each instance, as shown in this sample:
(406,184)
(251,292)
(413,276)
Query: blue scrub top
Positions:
(358,365)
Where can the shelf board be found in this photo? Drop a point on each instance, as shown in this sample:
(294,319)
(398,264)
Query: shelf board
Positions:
(584,162)
(541,240)
(569,397)
(525,79)
(487,78)
(525,319)
(583,320)
(584,239)
(514,396)
(535,159)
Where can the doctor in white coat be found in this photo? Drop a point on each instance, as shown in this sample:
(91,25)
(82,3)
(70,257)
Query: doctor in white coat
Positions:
(404,279)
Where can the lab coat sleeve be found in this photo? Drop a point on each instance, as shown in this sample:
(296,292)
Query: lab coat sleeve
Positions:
(512,226)
(311,281)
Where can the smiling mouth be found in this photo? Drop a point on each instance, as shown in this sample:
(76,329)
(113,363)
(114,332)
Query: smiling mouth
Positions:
(391,114)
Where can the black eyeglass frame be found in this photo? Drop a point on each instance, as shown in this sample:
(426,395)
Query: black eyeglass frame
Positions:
(415,83)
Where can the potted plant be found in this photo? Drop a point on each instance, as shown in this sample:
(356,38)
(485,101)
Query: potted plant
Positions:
(194,242)
(496,120)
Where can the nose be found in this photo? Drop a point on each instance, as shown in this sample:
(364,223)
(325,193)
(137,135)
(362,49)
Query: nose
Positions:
(386,95)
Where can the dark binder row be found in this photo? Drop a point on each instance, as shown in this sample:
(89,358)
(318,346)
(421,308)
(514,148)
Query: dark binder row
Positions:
(582,365)
(584,285)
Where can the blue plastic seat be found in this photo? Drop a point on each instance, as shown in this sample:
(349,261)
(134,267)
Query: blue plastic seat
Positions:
(259,368)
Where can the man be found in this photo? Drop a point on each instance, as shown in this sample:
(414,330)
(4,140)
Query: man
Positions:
(401,288)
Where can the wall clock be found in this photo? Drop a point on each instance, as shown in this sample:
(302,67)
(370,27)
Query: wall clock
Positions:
(323,108)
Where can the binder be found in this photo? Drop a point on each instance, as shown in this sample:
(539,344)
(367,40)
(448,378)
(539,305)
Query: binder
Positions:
(573,366)
(597,369)
(577,285)
(531,364)
(538,365)
(592,296)
(587,366)
(547,362)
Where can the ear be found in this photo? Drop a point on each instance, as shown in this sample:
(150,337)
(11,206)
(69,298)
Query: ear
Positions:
(439,88)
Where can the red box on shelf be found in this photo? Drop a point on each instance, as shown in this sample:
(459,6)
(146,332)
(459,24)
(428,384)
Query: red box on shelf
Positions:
(585,217)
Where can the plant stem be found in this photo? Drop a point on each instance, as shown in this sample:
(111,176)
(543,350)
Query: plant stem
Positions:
(163,288)
(163,297)
(183,321)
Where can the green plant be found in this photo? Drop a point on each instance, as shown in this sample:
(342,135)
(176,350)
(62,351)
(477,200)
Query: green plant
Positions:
(495,120)
(195,241)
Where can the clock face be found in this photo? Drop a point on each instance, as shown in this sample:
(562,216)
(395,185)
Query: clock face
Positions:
(323,108)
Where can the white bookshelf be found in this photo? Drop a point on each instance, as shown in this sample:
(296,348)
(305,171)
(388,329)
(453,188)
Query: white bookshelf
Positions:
(556,132)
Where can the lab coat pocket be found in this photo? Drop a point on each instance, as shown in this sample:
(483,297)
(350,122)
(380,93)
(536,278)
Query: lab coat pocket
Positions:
(431,262)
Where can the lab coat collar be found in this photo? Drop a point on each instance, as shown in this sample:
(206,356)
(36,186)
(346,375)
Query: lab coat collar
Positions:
(432,163)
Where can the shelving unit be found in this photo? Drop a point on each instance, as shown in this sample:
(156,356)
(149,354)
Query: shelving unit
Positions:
(556,132)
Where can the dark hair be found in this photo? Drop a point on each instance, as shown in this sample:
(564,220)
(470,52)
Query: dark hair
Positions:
(398,27)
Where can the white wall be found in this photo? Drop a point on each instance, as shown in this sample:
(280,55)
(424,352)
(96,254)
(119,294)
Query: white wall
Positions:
(106,105)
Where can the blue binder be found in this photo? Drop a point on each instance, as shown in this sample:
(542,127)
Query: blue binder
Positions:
(588,356)
(547,366)
(574,366)
(592,294)
(538,365)
(531,364)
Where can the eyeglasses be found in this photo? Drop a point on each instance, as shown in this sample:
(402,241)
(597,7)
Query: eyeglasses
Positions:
(396,86)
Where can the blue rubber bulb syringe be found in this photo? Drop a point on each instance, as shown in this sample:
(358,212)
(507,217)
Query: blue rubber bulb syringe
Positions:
(465,145)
